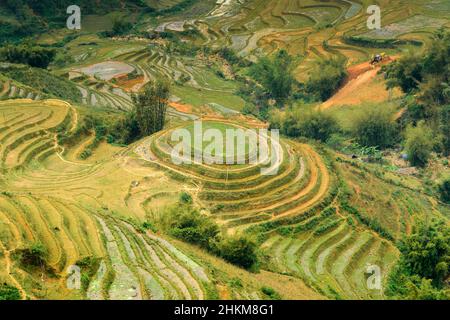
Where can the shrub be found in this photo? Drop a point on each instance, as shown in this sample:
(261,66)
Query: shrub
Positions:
(271,293)
(38,57)
(419,144)
(185,198)
(275,75)
(326,78)
(239,251)
(317,125)
(189,225)
(8,292)
(375,128)
(426,252)
(34,256)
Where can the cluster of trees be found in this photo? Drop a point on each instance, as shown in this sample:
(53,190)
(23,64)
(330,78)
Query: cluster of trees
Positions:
(424,264)
(8,292)
(425,78)
(274,80)
(148,115)
(33,56)
(296,123)
(326,77)
(186,223)
(275,74)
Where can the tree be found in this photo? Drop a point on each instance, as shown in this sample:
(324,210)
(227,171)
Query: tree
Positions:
(375,128)
(419,144)
(426,252)
(326,77)
(275,74)
(120,27)
(151,107)
(318,125)
(405,73)
(424,264)
(240,251)
(33,56)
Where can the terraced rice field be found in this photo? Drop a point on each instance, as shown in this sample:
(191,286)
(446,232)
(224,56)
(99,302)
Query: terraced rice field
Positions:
(313,219)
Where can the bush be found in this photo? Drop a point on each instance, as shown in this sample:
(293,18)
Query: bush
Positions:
(239,251)
(327,76)
(185,198)
(271,293)
(275,75)
(375,128)
(189,225)
(34,256)
(419,144)
(33,56)
(9,293)
(424,264)
(317,125)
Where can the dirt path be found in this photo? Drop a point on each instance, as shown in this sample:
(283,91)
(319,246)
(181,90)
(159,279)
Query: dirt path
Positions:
(360,87)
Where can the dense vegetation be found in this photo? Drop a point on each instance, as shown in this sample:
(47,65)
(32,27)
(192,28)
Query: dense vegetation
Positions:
(424,264)
(8,292)
(148,115)
(186,223)
(43,81)
(326,77)
(33,56)
(275,75)
(427,77)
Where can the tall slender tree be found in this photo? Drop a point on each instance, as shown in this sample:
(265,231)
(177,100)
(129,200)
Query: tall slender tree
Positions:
(151,107)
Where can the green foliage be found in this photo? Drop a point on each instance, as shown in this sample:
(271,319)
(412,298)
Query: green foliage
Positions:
(187,224)
(271,293)
(44,81)
(326,77)
(240,251)
(427,73)
(34,256)
(419,144)
(151,106)
(426,252)
(120,27)
(405,73)
(444,190)
(314,125)
(275,74)
(185,198)
(89,266)
(38,57)
(424,264)
(8,292)
(149,226)
(38,16)
(375,128)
